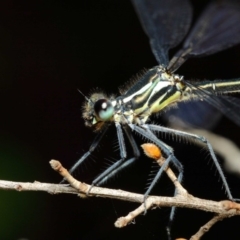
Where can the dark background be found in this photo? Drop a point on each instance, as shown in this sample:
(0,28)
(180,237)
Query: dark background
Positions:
(48,51)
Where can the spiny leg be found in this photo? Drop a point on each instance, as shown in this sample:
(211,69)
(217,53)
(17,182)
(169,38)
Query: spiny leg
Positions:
(132,141)
(146,132)
(155,180)
(123,155)
(127,162)
(173,209)
(122,163)
(93,146)
(171,158)
(203,140)
(179,166)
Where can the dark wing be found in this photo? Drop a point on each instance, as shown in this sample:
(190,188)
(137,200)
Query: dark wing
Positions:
(204,113)
(218,28)
(166,22)
(193,114)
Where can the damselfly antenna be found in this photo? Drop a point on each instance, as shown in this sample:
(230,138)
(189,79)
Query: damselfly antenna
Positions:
(86,98)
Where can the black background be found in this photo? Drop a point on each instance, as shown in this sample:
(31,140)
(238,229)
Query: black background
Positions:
(48,51)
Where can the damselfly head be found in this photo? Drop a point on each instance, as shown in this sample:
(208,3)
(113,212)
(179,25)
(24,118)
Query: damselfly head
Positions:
(97,110)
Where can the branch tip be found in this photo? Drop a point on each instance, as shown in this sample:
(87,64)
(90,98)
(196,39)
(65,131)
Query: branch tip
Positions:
(55,164)
(121,222)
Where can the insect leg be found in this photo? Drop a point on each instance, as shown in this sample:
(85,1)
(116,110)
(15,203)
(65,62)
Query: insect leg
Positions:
(200,139)
(146,132)
(119,165)
(89,152)
(123,155)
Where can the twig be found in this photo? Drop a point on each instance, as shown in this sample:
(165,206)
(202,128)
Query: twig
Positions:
(154,152)
(222,209)
(205,228)
(37,186)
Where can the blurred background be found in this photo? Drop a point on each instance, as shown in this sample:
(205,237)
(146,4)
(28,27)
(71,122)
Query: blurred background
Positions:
(48,50)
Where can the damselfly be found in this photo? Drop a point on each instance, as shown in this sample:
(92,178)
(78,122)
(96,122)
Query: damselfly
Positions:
(166,22)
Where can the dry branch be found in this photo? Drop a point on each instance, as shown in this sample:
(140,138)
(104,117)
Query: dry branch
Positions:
(222,209)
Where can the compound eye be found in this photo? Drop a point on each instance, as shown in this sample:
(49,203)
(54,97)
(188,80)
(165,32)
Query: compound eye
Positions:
(103,109)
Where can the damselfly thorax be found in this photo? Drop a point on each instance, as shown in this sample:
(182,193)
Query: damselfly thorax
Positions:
(156,90)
